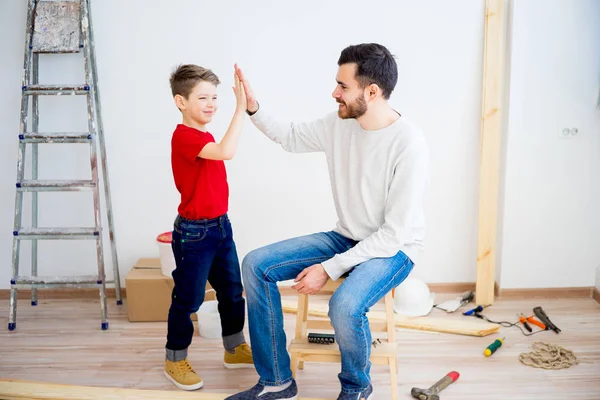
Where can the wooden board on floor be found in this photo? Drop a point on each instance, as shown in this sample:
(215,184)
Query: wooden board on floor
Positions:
(11,389)
(445,325)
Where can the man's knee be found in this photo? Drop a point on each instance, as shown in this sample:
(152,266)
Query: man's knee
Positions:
(344,308)
(253,265)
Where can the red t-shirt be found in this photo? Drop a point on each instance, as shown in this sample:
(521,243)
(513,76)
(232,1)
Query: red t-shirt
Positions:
(202,183)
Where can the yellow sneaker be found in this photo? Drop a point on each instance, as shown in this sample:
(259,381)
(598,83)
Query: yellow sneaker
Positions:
(241,358)
(182,375)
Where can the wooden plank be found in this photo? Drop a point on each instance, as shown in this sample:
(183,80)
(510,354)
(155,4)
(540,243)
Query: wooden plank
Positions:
(389,317)
(304,348)
(445,325)
(492,114)
(457,287)
(11,389)
(544,293)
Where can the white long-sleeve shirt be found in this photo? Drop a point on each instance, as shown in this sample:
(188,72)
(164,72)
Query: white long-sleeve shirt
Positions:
(378,180)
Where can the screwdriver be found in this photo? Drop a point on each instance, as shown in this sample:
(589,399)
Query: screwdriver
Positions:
(475,310)
(524,322)
(491,349)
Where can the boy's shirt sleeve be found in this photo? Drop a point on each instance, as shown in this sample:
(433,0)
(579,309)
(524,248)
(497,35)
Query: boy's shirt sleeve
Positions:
(190,144)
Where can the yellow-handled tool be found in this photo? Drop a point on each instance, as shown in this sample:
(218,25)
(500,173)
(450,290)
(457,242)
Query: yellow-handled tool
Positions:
(491,349)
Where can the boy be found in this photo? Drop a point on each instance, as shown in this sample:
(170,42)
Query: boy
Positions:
(202,236)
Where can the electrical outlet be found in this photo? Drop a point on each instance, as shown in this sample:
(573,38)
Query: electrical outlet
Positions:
(568,133)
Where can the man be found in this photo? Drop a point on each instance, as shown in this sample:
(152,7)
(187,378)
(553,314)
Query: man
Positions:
(377,163)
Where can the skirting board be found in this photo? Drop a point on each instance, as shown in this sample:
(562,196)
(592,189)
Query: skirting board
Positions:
(11,389)
(578,292)
(564,293)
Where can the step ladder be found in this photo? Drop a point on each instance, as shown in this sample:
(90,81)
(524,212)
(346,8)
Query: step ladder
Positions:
(60,27)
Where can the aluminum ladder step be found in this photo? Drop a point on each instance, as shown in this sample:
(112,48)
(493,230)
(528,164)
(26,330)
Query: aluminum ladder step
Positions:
(56,90)
(56,233)
(28,282)
(54,186)
(55,137)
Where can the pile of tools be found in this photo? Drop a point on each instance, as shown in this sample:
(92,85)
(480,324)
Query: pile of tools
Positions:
(543,321)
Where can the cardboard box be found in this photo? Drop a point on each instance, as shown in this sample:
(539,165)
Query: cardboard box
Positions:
(149,292)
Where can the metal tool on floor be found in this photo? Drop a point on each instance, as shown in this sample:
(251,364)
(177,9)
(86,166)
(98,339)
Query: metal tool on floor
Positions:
(453,305)
(539,312)
(59,27)
(491,349)
(476,310)
(523,320)
(432,392)
(535,322)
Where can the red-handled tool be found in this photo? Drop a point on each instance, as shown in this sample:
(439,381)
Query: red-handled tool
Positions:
(532,320)
(524,322)
(432,392)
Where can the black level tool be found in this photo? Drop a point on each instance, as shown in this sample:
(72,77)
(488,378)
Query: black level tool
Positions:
(539,312)
(321,338)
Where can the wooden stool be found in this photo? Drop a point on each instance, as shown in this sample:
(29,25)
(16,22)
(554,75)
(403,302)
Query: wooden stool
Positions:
(384,353)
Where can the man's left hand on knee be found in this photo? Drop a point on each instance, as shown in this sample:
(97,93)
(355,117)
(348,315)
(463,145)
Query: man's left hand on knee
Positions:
(311,280)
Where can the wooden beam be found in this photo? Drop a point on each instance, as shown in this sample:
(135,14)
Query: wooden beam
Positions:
(491,123)
(12,389)
(458,325)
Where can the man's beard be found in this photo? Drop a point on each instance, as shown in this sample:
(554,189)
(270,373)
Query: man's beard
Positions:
(356,109)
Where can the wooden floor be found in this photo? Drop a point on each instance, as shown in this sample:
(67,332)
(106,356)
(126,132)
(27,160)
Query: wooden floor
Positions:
(60,341)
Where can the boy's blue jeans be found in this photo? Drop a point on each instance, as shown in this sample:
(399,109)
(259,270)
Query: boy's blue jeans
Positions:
(366,284)
(204,250)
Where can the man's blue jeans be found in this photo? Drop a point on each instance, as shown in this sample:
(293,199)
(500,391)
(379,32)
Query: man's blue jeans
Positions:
(366,284)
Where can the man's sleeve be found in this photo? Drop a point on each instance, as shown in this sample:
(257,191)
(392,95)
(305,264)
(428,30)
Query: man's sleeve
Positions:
(405,198)
(295,137)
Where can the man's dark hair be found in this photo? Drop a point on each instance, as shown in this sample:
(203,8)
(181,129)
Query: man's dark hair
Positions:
(374,64)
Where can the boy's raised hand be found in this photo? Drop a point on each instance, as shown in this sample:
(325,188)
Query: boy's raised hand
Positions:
(251,103)
(240,94)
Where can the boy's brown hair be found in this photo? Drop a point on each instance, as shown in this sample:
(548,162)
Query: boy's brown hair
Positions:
(186,76)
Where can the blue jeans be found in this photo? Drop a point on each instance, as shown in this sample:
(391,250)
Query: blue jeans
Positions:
(204,250)
(366,284)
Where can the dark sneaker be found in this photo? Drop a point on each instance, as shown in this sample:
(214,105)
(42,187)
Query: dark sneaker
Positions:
(256,393)
(366,394)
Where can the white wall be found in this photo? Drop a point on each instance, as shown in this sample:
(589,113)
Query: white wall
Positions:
(289,51)
(552,203)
